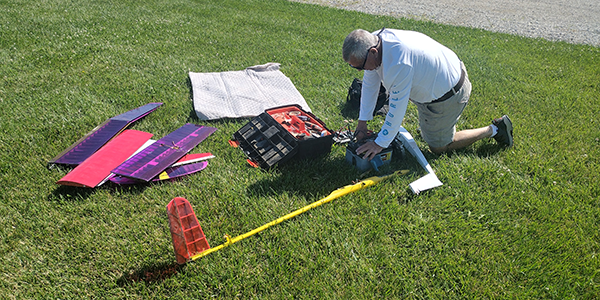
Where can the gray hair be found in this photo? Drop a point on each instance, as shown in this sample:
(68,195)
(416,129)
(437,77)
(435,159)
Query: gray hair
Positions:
(357,43)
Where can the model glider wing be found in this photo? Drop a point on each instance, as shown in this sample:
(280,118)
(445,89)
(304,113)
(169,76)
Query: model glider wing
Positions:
(189,164)
(95,139)
(97,167)
(193,158)
(163,153)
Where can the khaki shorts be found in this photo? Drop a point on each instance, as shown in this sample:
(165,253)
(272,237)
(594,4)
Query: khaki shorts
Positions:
(438,120)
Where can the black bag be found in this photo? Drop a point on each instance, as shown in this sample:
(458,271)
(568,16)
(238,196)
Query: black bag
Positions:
(353,98)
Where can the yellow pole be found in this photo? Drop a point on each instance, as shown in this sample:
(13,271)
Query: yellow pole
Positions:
(334,195)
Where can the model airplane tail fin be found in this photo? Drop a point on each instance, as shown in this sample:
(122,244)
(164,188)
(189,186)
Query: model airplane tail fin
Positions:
(188,237)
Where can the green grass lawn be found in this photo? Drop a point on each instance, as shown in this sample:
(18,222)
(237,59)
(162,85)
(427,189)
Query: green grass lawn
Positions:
(516,223)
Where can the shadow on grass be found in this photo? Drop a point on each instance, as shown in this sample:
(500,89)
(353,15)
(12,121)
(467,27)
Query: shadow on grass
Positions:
(323,175)
(70,193)
(306,177)
(151,274)
(349,111)
(136,188)
(487,149)
(66,193)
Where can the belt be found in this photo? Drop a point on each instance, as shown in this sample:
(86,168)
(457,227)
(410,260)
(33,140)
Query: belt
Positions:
(454,90)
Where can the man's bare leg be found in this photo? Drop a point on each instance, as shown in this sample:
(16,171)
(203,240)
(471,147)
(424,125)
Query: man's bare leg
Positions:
(465,138)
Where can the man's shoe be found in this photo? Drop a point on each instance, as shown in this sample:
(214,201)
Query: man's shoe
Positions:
(505,131)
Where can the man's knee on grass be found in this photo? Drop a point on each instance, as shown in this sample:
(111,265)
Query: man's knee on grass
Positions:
(439,150)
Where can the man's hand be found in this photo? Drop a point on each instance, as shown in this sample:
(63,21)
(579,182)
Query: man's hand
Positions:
(361,130)
(370,149)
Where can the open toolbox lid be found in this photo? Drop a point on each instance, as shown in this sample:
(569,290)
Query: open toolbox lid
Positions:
(301,124)
(281,133)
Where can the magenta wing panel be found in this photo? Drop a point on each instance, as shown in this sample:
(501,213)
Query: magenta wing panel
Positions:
(97,167)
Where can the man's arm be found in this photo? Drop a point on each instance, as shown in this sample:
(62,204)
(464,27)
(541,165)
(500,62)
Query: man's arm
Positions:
(399,94)
(368,95)
(390,128)
(368,100)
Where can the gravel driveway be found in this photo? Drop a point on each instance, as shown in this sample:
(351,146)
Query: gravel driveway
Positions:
(572,21)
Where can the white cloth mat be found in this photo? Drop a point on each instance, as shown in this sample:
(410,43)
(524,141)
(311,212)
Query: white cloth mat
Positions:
(245,93)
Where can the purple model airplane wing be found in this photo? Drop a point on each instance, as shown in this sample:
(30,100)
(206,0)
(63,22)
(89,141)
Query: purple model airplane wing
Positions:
(99,136)
(163,153)
(138,113)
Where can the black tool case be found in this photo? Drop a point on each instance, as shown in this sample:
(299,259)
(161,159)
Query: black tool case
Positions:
(282,133)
